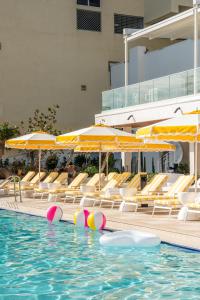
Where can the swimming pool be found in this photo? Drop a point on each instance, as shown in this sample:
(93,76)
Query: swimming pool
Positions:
(43,261)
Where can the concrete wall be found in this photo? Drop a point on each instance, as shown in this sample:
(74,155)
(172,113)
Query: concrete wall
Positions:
(154,64)
(44,59)
(163,8)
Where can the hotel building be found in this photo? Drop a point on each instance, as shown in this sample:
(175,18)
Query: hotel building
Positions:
(156,84)
(62,52)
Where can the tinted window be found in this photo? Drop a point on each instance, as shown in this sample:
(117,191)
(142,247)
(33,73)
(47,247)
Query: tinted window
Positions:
(82,2)
(95,3)
(88,20)
(123,21)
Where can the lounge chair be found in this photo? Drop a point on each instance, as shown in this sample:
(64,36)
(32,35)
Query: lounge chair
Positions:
(5,185)
(72,187)
(135,182)
(44,188)
(28,176)
(190,203)
(122,178)
(114,196)
(91,198)
(170,200)
(44,184)
(193,207)
(132,198)
(25,179)
(110,176)
(51,177)
(91,186)
(34,181)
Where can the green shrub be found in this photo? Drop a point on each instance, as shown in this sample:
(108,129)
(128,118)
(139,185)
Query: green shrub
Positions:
(183,169)
(91,170)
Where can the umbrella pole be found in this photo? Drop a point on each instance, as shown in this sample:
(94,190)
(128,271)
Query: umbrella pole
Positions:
(39,162)
(139,162)
(107,155)
(99,170)
(196,161)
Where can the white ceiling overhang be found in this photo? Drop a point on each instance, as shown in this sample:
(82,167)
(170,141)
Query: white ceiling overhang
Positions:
(180,26)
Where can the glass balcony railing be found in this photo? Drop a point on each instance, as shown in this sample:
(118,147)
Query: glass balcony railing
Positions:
(172,86)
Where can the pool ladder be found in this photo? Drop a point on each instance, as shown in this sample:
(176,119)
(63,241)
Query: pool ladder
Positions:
(4,203)
(16,180)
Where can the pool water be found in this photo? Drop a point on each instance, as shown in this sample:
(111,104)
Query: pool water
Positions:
(43,261)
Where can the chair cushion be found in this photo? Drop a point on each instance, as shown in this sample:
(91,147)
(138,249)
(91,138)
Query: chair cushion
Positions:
(168,202)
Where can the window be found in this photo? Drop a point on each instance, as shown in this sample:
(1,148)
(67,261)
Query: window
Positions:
(95,3)
(83,87)
(82,2)
(123,21)
(88,20)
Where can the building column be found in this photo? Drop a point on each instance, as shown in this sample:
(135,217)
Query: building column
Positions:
(126,161)
(126,79)
(126,156)
(196,37)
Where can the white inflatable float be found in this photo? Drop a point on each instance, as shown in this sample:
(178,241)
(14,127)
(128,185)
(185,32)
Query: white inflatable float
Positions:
(129,238)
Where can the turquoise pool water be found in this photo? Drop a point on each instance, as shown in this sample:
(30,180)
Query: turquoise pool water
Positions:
(43,261)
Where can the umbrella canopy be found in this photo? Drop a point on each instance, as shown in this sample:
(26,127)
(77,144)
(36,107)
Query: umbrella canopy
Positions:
(32,141)
(194,112)
(35,141)
(97,134)
(145,146)
(184,128)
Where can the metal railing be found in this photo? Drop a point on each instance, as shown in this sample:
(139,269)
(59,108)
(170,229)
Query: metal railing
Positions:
(163,88)
(16,181)
(4,203)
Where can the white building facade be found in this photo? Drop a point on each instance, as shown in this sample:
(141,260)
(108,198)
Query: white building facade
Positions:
(156,85)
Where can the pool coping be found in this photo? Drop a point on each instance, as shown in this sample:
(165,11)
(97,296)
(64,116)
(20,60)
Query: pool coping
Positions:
(191,249)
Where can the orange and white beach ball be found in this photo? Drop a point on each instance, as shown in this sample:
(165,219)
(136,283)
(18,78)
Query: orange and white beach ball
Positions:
(97,221)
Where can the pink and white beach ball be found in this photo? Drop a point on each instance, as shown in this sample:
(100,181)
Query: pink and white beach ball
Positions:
(81,217)
(54,214)
(97,221)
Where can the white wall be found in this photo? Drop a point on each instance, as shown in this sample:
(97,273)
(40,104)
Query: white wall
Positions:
(172,59)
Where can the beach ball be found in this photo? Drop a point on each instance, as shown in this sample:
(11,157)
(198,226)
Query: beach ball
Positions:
(81,217)
(97,221)
(54,214)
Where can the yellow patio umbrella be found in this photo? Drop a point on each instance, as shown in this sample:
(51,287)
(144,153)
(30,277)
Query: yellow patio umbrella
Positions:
(184,128)
(97,136)
(35,141)
(193,112)
(142,146)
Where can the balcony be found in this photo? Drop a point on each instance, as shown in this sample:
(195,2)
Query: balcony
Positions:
(163,88)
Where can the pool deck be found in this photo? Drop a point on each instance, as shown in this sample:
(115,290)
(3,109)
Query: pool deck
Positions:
(169,229)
